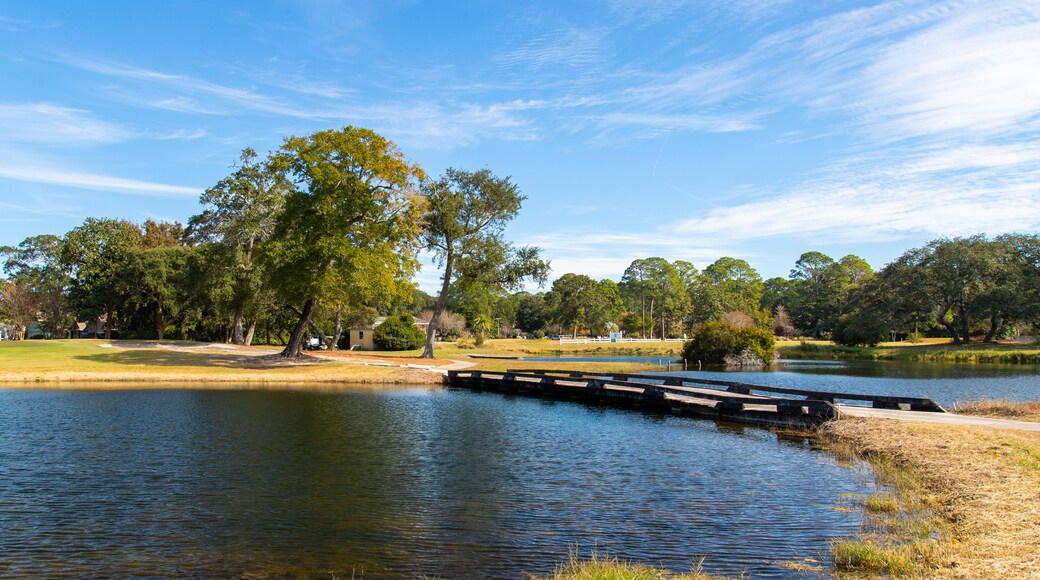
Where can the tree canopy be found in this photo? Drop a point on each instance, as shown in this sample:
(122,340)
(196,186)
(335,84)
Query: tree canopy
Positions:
(347,231)
(466,215)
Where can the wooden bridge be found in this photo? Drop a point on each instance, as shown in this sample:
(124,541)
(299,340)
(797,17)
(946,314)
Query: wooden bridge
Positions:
(728,400)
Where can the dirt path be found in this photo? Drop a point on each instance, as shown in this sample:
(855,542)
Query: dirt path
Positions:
(945,418)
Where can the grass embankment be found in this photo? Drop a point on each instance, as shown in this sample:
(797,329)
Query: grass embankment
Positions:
(931,350)
(121,363)
(965,501)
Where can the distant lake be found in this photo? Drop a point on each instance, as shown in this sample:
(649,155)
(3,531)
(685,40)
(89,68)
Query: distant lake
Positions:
(395,484)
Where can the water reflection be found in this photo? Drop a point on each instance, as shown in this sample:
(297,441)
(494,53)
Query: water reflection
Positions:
(456,484)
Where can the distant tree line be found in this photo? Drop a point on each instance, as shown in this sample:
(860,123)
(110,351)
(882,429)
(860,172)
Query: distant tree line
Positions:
(324,234)
(964,288)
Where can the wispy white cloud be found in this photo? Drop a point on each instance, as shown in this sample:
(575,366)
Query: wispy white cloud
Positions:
(84,180)
(55,125)
(928,195)
(569,47)
(608,254)
(424,123)
(940,103)
(183,135)
(973,72)
(721,123)
(36,209)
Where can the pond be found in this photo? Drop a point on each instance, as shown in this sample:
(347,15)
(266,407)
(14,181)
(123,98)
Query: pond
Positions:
(945,383)
(395,484)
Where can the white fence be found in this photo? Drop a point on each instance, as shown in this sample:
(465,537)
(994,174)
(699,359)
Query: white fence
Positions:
(565,340)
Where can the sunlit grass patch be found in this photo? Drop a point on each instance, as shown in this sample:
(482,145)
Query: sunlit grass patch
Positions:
(604,567)
(1023,411)
(931,350)
(881,503)
(101,363)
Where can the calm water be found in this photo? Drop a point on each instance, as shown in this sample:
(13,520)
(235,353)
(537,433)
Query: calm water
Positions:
(945,383)
(394,484)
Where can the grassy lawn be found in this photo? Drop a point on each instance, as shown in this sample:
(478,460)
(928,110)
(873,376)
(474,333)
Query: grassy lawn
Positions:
(544,348)
(98,362)
(95,361)
(929,350)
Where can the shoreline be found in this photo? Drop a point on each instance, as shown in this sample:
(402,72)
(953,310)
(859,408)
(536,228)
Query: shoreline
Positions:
(964,501)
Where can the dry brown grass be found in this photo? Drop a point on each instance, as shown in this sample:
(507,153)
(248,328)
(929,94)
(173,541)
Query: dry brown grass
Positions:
(976,492)
(119,364)
(1024,411)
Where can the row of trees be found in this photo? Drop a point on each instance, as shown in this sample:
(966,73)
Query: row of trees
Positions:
(322,233)
(961,288)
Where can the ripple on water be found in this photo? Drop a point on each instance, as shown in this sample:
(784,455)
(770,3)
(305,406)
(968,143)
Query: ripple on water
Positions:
(217,483)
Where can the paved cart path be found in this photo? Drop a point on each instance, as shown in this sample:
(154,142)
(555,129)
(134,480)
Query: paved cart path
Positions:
(947,418)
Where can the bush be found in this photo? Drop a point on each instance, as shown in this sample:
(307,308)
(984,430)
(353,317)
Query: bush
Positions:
(714,342)
(860,329)
(398,333)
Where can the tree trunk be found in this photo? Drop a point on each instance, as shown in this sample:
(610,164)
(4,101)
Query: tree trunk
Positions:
(236,328)
(965,326)
(949,326)
(109,315)
(160,326)
(250,330)
(442,301)
(651,319)
(337,330)
(642,300)
(994,326)
(321,333)
(294,349)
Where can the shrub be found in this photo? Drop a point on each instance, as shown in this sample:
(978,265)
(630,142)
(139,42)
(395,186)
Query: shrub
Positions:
(714,342)
(860,329)
(398,333)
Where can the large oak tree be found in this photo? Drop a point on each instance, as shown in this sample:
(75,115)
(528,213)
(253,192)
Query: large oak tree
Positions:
(347,230)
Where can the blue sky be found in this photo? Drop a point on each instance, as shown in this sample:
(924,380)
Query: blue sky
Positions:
(682,129)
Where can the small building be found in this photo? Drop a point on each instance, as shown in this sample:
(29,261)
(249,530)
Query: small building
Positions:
(360,337)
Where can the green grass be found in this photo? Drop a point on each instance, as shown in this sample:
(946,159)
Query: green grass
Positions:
(879,503)
(603,567)
(50,361)
(903,533)
(544,347)
(862,557)
(100,361)
(924,352)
